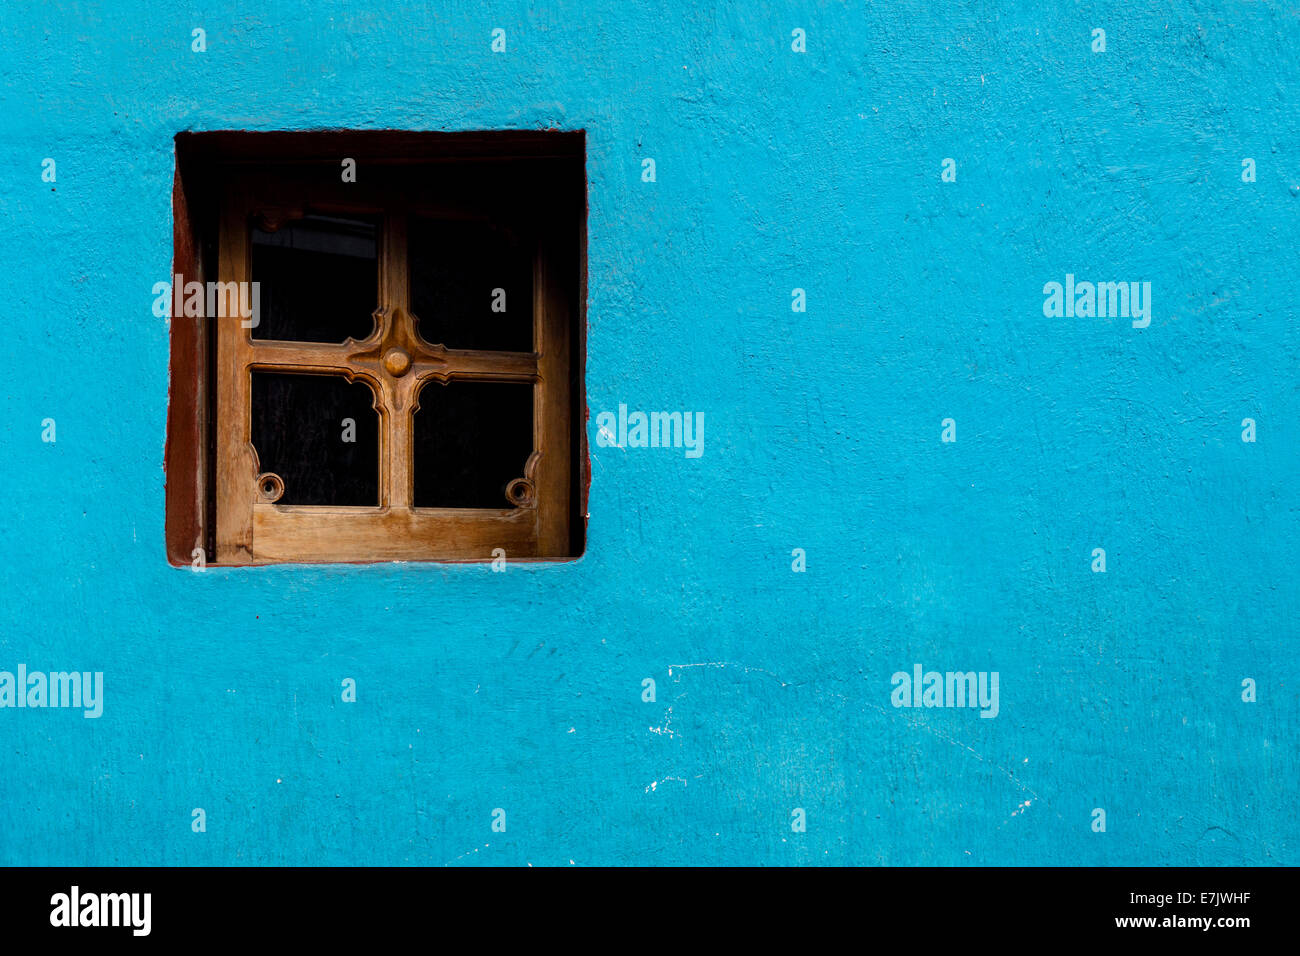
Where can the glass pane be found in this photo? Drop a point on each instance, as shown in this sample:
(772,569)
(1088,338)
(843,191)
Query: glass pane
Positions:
(471,440)
(320,434)
(471,285)
(318,279)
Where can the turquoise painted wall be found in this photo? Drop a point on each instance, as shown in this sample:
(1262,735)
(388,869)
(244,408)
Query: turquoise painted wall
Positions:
(775,170)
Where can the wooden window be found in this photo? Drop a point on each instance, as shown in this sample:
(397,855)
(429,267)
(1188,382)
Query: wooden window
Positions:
(389,365)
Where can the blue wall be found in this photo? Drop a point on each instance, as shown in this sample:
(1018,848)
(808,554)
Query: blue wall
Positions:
(775,170)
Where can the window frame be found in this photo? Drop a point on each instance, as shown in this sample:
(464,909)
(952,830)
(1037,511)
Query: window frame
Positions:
(219,498)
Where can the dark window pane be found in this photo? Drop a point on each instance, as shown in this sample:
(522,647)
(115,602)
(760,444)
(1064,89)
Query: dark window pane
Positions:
(471,440)
(456,269)
(301,433)
(318,279)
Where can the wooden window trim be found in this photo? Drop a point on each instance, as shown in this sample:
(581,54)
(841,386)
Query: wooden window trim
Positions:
(208,461)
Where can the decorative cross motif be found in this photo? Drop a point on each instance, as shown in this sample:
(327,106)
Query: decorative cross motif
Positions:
(394,349)
(396,363)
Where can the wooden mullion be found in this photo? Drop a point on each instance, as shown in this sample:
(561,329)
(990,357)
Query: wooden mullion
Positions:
(300,356)
(484,366)
(551,404)
(397,445)
(236,470)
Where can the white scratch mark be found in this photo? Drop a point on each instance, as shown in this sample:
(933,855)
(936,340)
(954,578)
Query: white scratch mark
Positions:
(654,784)
(666,729)
(1020,808)
(468,852)
(722,664)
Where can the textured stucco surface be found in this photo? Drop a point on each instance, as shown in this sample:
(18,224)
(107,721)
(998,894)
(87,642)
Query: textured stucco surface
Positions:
(775,170)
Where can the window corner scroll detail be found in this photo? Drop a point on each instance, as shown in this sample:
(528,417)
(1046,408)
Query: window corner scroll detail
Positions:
(522,492)
(270,487)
